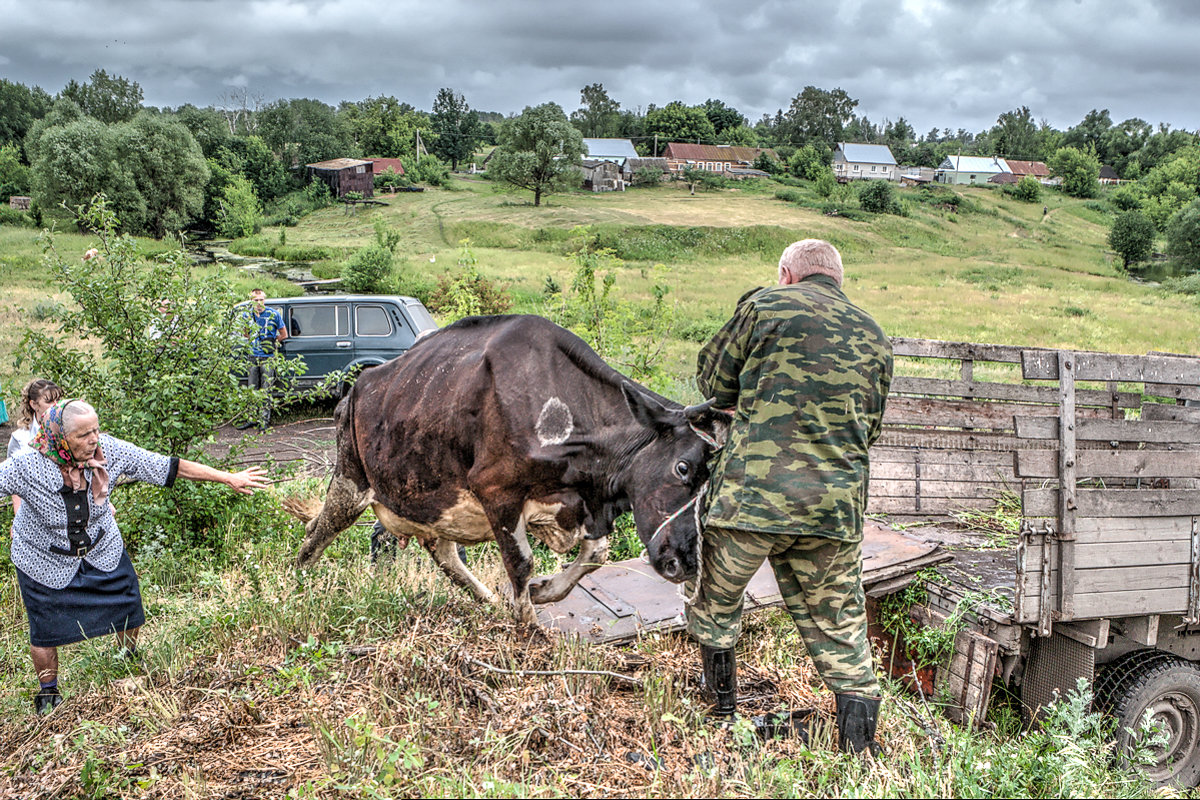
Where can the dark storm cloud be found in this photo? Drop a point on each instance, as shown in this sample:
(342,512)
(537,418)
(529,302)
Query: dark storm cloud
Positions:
(944,63)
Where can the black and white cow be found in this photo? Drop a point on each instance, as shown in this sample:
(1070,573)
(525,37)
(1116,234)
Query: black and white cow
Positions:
(509,426)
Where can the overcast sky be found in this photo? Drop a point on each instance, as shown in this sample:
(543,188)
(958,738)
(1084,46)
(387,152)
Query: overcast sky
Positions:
(949,63)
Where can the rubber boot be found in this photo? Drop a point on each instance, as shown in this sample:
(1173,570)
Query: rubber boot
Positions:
(720,680)
(857,717)
(46,700)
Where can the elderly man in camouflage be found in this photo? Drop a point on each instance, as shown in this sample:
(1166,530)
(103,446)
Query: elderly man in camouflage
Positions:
(804,374)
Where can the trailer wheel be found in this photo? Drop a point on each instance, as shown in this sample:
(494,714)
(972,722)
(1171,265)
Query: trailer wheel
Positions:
(1168,687)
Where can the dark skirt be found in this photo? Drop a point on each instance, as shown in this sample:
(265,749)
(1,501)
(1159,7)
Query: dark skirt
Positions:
(93,604)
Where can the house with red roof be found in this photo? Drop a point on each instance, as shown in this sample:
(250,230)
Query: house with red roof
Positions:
(712,157)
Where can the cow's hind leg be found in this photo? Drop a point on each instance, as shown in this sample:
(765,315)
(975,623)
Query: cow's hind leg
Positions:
(592,555)
(344,502)
(445,553)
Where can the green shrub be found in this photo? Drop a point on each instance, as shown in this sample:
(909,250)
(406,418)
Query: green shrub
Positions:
(16,217)
(825,184)
(44,310)
(303,252)
(789,195)
(238,211)
(1127,197)
(468,293)
(366,270)
(647,176)
(1028,189)
(878,197)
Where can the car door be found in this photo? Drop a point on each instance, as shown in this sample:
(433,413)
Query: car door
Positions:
(320,333)
(380,332)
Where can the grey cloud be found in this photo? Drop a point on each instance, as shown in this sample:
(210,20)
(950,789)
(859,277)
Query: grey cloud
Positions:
(944,63)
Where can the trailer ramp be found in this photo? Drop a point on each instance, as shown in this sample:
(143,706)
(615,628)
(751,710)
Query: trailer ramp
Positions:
(626,599)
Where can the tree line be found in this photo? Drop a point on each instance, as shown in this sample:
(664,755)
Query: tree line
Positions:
(164,169)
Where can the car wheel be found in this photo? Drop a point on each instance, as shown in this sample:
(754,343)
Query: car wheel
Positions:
(1167,689)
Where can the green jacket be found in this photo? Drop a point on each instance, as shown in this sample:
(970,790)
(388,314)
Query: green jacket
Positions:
(807,374)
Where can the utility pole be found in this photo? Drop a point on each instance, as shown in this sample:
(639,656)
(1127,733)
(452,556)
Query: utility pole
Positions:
(656,145)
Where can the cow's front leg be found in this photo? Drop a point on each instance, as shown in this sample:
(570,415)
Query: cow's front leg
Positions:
(508,524)
(445,553)
(592,555)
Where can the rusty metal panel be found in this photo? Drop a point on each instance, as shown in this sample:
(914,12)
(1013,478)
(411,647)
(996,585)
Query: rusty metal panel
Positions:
(621,601)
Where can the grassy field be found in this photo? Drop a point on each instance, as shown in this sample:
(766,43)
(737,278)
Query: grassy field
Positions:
(353,680)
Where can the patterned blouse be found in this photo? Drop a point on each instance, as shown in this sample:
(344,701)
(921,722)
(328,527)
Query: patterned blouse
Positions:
(56,530)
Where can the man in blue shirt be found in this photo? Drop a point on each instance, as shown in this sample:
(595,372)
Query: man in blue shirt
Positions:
(271,331)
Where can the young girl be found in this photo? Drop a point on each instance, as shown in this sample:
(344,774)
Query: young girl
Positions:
(38,395)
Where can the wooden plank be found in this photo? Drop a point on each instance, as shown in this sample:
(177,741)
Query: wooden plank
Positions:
(1013,392)
(941,439)
(990,473)
(1091,366)
(936,348)
(1173,413)
(1112,430)
(1112,530)
(1172,390)
(1097,555)
(930,507)
(944,413)
(1067,485)
(1116,502)
(930,456)
(1112,464)
(909,488)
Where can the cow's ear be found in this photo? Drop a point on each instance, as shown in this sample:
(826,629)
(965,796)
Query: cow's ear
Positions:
(713,425)
(647,410)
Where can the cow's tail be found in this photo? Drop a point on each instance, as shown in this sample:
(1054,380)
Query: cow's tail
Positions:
(303,509)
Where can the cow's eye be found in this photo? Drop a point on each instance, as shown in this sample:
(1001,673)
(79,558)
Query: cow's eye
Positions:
(682,469)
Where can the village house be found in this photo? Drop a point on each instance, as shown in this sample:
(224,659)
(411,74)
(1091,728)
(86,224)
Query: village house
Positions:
(602,176)
(864,162)
(970,169)
(1108,175)
(1035,168)
(712,157)
(343,175)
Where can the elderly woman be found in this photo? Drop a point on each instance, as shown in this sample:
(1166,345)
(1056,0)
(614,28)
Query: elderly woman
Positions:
(75,577)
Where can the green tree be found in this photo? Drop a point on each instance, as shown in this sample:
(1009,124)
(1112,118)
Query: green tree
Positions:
(63,112)
(20,107)
(810,162)
(1090,132)
(306,131)
(375,122)
(1079,170)
(598,115)
(1132,237)
(456,127)
(108,98)
(676,122)
(260,166)
(167,168)
(14,176)
(1183,238)
(79,160)
(207,126)
(738,135)
(1171,185)
(539,151)
(722,117)
(238,211)
(1015,134)
(819,116)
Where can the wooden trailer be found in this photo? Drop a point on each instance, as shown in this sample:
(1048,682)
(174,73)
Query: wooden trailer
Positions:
(1102,579)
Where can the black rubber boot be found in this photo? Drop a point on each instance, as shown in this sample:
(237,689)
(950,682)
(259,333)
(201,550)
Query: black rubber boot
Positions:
(46,700)
(720,679)
(857,717)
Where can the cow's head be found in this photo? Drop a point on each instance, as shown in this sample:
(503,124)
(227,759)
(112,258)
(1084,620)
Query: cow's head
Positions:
(664,478)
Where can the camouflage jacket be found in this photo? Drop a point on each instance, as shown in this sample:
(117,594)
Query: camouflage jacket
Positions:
(807,374)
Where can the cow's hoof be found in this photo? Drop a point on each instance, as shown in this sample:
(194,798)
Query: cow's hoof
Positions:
(542,590)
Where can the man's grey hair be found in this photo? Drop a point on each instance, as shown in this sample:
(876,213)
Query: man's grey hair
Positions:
(74,410)
(809,257)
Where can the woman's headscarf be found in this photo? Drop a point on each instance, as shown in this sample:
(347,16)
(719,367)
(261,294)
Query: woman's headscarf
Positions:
(51,441)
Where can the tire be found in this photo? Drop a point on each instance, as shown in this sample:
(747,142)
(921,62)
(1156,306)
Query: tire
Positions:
(1169,688)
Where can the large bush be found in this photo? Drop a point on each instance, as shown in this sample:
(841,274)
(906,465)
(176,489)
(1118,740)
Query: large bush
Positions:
(1132,237)
(879,197)
(1183,238)
(1028,189)
(238,210)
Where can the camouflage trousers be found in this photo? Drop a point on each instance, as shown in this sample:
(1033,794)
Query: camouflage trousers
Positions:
(821,583)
